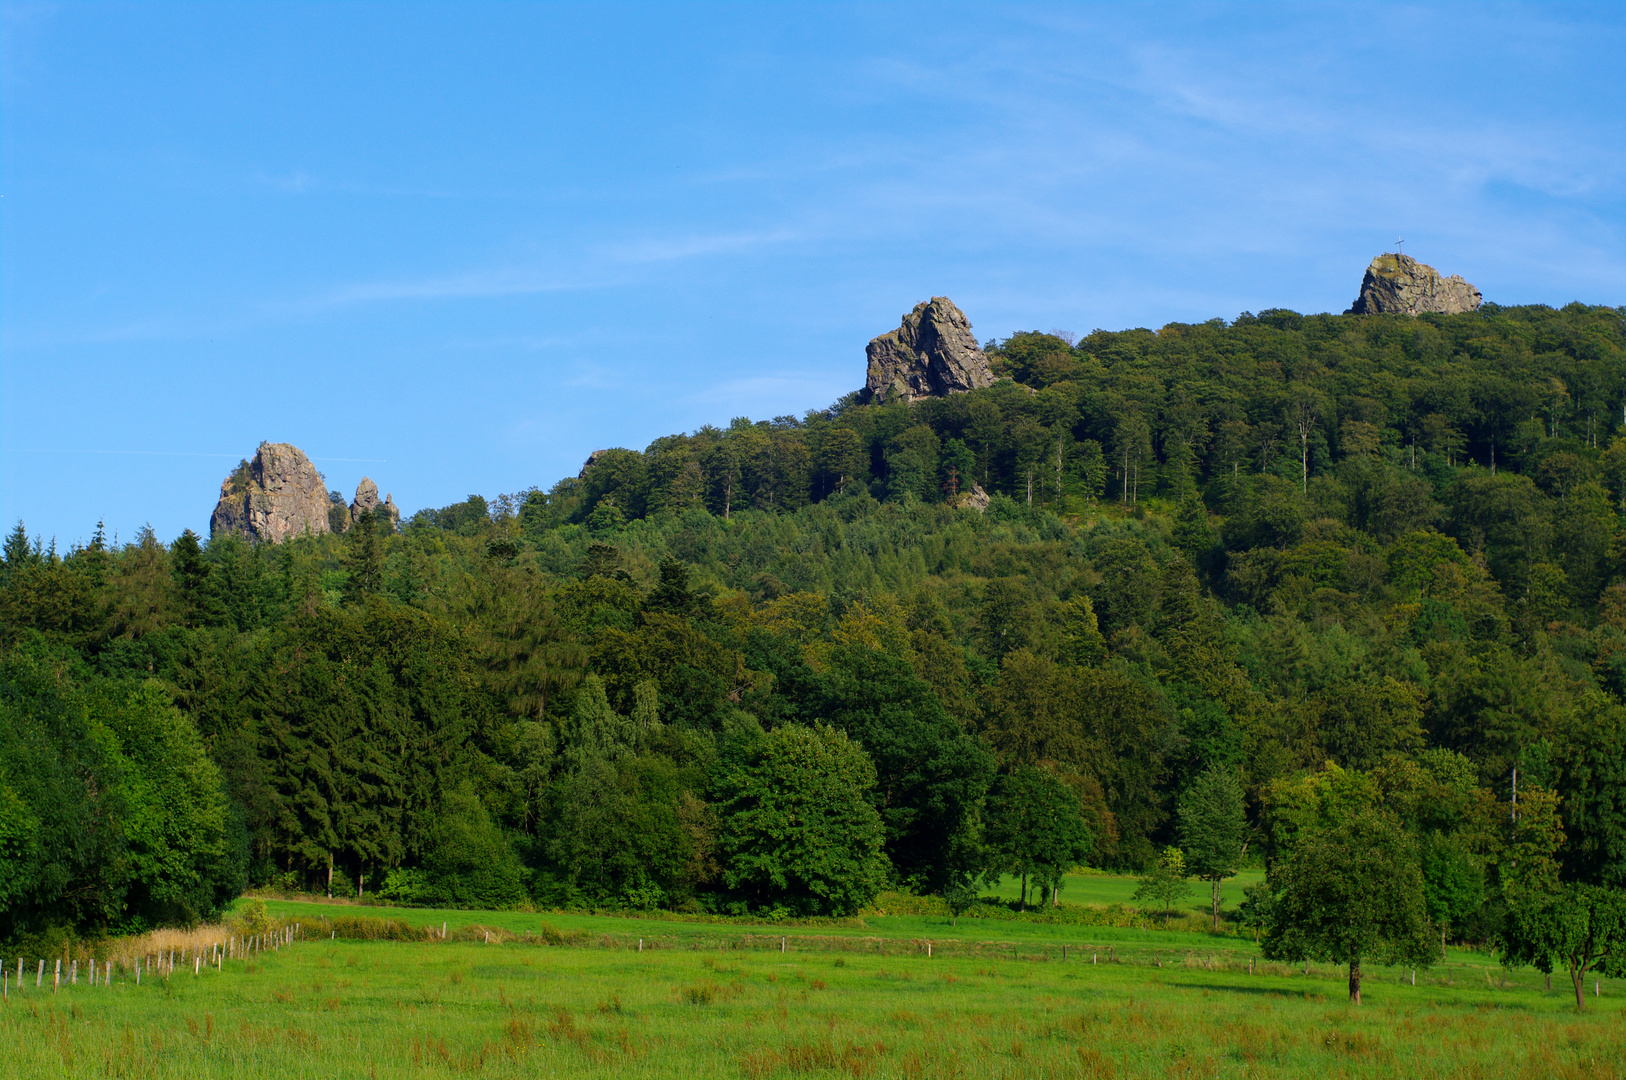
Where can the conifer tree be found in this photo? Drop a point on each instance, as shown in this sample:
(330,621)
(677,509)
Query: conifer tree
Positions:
(364,559)
(1213,829)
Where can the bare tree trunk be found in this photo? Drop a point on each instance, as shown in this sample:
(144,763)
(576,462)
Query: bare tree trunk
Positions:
(1578,979)
(1355,981)
(1215,892)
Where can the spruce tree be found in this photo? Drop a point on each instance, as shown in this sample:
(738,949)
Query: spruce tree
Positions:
(364,559)
(1213,829)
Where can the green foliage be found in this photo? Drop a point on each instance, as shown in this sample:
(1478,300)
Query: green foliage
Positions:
(1359,564)
(364,560)
(1349,893)
(1579,927)
(112,816)
(1034,830)
(466,858)
(932,774)
(1167,882)
(1213,829)
(799,832)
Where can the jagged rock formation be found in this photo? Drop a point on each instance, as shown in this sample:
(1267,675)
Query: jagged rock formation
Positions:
(1399,284)
(975,499)
(367,499)
(592,459)
(277,495)
(931,355)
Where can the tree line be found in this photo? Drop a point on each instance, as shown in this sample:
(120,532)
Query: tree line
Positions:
(1266,589)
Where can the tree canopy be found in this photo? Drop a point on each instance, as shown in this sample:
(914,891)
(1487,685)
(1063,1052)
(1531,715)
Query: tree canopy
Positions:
(1288,570)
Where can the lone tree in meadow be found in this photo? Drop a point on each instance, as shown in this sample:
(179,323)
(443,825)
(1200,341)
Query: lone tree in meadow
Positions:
(1350,893)
(1581,928)
(1213,830)
(1166,882)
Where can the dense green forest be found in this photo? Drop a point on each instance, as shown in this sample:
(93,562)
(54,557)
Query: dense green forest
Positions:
(1359,569)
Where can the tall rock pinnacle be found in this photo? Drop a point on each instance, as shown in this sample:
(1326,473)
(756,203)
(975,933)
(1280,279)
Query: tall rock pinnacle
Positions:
(933,354)
(277,495)
(367,499)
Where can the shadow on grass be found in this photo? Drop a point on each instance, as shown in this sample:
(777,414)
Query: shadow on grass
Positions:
(1259,991)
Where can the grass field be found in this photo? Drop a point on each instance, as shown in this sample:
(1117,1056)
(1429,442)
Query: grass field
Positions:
(1099,888)
(702,1000)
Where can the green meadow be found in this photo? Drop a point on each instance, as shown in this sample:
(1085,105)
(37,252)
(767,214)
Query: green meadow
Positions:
(595,995)
(1096,888)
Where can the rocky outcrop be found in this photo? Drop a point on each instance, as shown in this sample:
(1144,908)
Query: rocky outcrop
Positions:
(1400,285)
(592,459)
(277,495)
(975,499)
(367,499)
(931,355)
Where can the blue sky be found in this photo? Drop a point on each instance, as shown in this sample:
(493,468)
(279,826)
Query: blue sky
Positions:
(456,247)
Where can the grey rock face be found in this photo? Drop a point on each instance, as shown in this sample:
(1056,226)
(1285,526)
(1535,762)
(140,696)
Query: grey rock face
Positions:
(933,354)
(592,459)
(277,495)
(367,499)
(1399,284)
(975,499)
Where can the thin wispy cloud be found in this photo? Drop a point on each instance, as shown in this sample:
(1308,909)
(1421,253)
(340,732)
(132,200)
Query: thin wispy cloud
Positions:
(671,249)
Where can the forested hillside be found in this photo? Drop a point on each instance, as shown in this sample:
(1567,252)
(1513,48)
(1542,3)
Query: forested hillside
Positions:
(1360,564)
